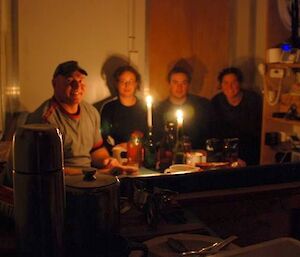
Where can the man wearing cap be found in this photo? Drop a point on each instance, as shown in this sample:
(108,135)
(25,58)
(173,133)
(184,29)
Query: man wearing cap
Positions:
(77,120)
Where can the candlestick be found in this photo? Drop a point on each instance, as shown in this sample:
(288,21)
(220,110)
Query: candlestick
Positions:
(179,155)
(179,116)
(149,110)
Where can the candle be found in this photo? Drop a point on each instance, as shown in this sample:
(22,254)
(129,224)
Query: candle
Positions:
(149,110)
(179,116)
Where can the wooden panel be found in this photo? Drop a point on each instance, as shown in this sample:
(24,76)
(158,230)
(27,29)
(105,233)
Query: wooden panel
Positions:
(195,30)
(254,214)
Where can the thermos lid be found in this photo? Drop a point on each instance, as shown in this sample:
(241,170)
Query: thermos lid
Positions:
(90,180)
(37,148)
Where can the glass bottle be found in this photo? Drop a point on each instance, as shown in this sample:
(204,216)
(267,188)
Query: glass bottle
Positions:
(149,150)
(179,153)
(166,145)
(135,149)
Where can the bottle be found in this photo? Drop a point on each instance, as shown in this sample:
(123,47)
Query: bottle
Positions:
(149,151)
(179,151)
(135,149)
(166,145)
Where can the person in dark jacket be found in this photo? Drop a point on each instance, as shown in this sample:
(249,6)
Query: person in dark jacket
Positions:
(126,113)
(197,110)
(238,114)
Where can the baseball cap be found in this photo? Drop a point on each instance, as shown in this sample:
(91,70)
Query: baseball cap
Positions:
(67,68)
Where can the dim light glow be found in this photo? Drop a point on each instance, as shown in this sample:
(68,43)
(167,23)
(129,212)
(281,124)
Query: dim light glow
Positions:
(12,91)
(149,101)
(179,116)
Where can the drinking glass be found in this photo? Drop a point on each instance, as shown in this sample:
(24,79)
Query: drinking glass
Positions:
(214,148)
(231,149)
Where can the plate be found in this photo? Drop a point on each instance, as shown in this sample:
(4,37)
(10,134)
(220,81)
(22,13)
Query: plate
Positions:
(181,168)
(212,165)
(158,246)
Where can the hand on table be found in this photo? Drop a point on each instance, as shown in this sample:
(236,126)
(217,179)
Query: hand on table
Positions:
(110,163)
(122,145)
(238,163)
(115,168)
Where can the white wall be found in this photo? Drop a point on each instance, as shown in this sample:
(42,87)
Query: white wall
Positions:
(52,31)
(89,31)
(248,39)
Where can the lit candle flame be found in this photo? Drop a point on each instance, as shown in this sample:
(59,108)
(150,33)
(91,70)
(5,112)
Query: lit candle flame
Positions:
(149,101)
(179,115)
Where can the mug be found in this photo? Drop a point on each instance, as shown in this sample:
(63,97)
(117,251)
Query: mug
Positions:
(214,148)
(120,153)
(231,149)
(192,158)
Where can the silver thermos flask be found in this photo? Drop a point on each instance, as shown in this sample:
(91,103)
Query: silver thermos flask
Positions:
(39,194)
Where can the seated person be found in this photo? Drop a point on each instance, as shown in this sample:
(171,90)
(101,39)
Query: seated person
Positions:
(125,114)
(238,114)
(77,120)
(197,111)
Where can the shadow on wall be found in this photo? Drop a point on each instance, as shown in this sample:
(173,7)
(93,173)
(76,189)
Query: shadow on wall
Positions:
(197,70)
(252,79)
(107,72)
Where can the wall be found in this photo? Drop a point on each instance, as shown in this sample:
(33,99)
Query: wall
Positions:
(93,31)
(191,30)
(8,57)
(89,31)
(210,37)
(248,39)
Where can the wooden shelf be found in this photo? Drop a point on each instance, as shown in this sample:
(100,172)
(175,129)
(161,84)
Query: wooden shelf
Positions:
(284,121)
(283,65)
(270,123)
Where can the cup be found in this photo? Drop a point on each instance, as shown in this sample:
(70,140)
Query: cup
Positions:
(231,149)
(214,148)
(192,158)
(120,153)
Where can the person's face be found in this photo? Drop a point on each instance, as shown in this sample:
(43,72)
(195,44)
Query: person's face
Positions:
(230,85)
(179,85)
(69,90)
(127,84)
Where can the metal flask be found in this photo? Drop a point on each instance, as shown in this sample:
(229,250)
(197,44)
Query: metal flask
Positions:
(39,194)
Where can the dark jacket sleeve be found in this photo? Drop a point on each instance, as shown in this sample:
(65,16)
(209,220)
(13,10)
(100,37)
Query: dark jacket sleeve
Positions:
(106,125)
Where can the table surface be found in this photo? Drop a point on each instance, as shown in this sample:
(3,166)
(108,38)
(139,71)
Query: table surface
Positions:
(272,177)
(141,172)
(144,172)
